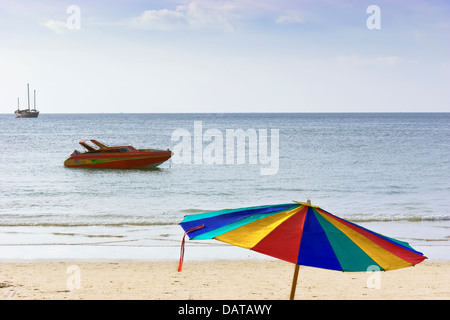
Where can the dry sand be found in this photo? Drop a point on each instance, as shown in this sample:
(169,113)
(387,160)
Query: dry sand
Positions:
(221,280)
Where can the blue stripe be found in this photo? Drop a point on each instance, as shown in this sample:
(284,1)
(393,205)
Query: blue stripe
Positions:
(213,222)
(315,249)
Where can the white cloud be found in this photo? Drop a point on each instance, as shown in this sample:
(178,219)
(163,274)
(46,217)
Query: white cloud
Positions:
(290,18)
(377,61)
(58,27)
(194,15)
(160,19)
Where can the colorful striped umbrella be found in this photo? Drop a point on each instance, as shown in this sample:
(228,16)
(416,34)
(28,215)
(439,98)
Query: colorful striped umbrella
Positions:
(303,234)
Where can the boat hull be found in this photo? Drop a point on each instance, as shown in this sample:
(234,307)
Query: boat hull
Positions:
(125,160)
(26,114)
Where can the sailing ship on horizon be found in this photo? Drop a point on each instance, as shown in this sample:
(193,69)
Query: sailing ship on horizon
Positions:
(27,113)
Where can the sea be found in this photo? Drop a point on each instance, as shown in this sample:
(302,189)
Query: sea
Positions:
(389,172)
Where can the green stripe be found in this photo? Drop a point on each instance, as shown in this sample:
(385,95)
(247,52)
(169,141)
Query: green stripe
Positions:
(97,160)
(349,255)
(103,160)
(193,217)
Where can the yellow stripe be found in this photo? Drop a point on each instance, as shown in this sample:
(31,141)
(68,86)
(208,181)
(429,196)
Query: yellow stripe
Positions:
(384,258)
(250,234)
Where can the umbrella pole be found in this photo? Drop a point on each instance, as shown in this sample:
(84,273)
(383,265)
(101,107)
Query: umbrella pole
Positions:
(294,282)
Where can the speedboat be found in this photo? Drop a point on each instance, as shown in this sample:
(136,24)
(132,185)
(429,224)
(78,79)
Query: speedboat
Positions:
(98,155)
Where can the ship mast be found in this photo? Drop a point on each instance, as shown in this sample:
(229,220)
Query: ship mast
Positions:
(34,100)
(28,90)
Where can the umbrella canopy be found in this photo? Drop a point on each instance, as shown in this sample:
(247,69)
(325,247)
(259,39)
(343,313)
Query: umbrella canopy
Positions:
(302,234)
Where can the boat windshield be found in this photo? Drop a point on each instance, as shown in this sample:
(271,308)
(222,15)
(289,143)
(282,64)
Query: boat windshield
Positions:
(89,146)
(95,146)
(118,149)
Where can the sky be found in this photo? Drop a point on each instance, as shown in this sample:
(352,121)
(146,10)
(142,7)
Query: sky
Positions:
(225,55)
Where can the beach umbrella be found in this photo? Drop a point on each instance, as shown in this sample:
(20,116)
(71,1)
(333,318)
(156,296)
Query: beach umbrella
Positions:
(302,234)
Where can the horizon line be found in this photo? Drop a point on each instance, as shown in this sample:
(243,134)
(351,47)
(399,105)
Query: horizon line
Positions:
(249,112)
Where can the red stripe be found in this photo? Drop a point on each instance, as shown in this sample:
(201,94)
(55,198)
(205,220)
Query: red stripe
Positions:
(284,241)
(397,250)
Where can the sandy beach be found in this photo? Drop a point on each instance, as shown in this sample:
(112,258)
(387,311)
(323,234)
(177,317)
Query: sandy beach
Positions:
(214,280)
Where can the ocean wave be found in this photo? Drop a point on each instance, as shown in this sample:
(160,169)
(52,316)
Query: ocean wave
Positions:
(87,224)
(431,218)
(147,223)
(193,211)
